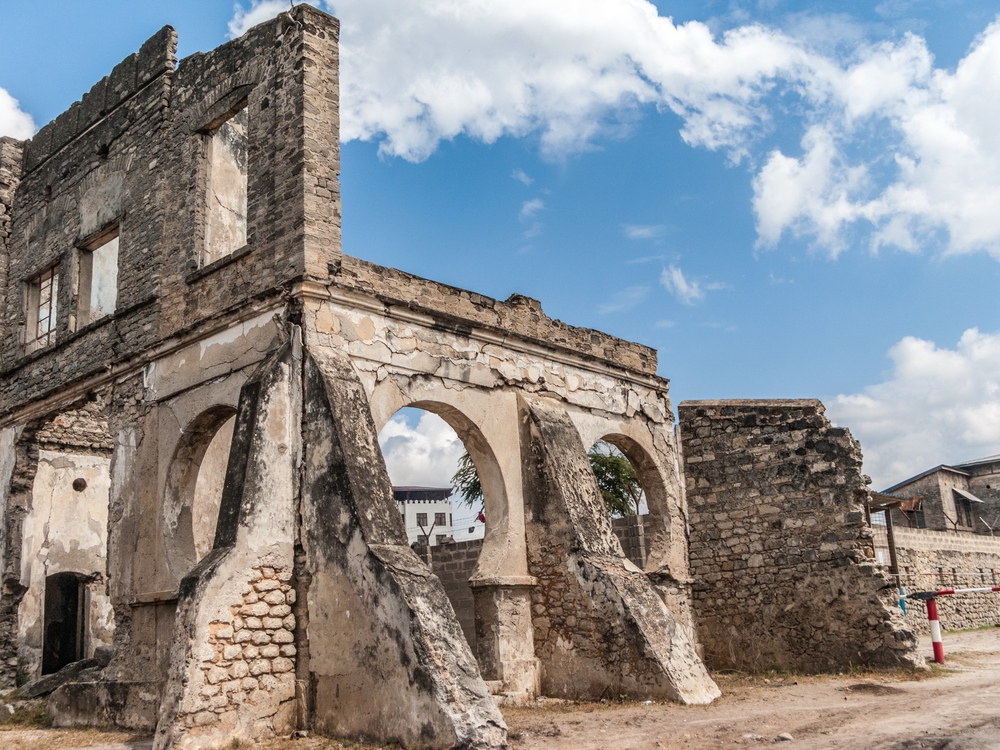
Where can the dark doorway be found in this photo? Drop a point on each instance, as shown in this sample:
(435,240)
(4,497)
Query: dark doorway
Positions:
(65,601)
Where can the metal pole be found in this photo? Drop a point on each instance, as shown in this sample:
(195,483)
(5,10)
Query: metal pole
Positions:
(936,644)
(890,537)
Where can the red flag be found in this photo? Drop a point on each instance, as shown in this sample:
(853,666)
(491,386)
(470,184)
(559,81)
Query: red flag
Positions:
(481,517)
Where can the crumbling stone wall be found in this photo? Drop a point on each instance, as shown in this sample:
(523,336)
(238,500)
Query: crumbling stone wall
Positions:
(782,561)
(931,560)
(10,177)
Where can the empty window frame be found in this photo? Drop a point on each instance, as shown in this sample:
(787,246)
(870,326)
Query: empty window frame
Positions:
(42,294)
(226,214)
(97,294)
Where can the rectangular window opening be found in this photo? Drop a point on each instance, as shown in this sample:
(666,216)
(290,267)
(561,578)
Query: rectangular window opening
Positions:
(421,519)
(42,297)
(97,293)
(439,519)
(226,215)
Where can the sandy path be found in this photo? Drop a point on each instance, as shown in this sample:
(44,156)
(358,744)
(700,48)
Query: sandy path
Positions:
(958,709)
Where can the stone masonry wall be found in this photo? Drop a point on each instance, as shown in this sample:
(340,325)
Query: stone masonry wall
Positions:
(454,564)
(781,555)
(10,176)
(254,657)
(628,536)
(930,560)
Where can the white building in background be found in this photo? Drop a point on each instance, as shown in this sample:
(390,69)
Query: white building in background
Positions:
(426,512)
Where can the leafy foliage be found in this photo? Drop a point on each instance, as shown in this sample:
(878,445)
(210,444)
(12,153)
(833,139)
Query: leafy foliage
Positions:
(615,474)
(617,479)
(466,482)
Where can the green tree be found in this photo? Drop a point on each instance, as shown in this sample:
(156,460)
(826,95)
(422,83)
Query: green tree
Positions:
(615,475)
(617,479)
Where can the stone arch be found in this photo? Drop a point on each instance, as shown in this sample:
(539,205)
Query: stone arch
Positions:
(653,486)
(486,422)
(186,514)
(650,449)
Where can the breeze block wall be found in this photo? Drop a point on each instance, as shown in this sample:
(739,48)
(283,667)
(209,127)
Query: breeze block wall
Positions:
(782,562)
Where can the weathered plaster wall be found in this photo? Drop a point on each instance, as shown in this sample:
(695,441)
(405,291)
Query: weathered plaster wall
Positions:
(781,555)
(232,660)
(598,623)
(385,674)
(66,532)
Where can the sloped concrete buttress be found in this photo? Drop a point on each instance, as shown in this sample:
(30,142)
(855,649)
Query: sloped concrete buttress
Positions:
(387,657)
(224,681)
(599,624)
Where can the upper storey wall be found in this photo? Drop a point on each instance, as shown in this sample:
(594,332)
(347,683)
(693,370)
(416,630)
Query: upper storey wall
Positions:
(134,156)
(460,310)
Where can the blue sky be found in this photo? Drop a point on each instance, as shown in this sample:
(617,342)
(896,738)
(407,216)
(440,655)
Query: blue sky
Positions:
(784,199)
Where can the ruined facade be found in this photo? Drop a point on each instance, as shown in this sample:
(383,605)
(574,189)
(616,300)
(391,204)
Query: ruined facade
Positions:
(185,339)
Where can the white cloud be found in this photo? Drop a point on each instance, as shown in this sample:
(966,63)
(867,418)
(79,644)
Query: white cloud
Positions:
(939,131)
(937,406)
(684,290)
(14,122)
(643,231)
(892,149)
(624,300)
(426,455)
(521,176)
(416,72)
(530,208)
(258,12)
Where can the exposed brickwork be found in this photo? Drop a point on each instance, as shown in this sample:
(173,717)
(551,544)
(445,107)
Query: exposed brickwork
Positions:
(781,554)
(254,657)
(10,177)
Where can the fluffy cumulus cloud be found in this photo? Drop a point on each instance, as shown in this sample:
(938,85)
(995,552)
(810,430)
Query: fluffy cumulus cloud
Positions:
(14,122)
(890,146)
(425,454)
(938,406)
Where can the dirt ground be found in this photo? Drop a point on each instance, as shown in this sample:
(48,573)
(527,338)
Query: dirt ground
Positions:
(952,708)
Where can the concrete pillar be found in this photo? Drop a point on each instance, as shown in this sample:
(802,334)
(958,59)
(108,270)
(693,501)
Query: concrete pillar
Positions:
(505,641)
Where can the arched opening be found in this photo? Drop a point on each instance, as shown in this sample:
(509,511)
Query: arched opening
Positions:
(631,485)
(194,489)
(425,445)
(65,621)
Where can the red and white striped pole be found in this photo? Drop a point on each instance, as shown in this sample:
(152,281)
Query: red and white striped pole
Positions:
(936,643)
(932,614)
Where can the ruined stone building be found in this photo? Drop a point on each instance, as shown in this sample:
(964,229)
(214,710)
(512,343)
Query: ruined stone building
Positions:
(187,343)
(192,380)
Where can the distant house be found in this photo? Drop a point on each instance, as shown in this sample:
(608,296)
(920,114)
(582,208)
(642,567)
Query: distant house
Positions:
(964,497)
(426,513)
